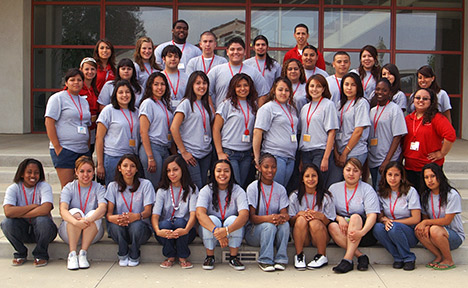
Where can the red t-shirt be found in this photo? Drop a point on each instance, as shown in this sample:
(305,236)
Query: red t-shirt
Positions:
(294,54)
(429,136)
(93,105)
(104,75)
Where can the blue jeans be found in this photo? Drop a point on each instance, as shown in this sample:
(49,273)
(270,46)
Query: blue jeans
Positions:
(397,240)
(454,239)
(235,237)
(335,173)
(135,234)
(200,171)
(266,235)
(285,167)
(160,153)
(176,247)
(240,161)
(315,157)
(110,165)
(376,176)
(40,230)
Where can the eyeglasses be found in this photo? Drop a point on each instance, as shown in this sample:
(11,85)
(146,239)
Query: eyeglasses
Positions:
(421,98)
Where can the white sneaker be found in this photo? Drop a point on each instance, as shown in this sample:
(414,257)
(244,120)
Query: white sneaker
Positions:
(318,262)
(133,263)
(123,262)
(72,261)
(83,259)
(299,262)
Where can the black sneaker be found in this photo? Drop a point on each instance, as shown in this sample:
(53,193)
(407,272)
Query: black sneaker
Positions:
(235,263)
(363,263)
(398,264)
(209,263)
(409,266)
(343,267)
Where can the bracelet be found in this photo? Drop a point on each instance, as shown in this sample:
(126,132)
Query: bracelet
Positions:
(151,160)
(212,231)
(227,231)
(348,148)
(141,216)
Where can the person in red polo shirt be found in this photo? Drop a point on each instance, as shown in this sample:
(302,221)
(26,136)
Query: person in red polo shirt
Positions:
(301,34)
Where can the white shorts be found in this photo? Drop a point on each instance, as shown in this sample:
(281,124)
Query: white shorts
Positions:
(62,231)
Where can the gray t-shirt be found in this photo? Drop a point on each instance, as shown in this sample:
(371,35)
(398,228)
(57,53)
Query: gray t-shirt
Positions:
(196,64)
(272,119)
(453,206)
(276,199)
(118,136)
(238,201)
(234,124)
(269,75)
(400,99)
(192,129)
(390,123)
(328,207)
(106,94)
(158,116)
(66,114)
(142,76)
(317,70)
(401,206)
(177,86)
(14,194)
(353,115)
(363,202)
(368,84)
(334,85)
(90,196)
(165,205)
(321,122)
(300,96)
(189,51)
(443,101)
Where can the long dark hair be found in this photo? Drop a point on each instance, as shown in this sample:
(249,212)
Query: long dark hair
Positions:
(22,168)
(215,188)
(111,60)
(321,191)
(319,78)
(433,109)
(125,62)
(115,103)
(360,90)
(166,98)
(262,158)
(119,177)
(272,96)
(251,98)
(186,180)
(269,62)
(444,185)
(427,71)
(284,70)
(192,97)
(384,190)
(376,68)
(393,69)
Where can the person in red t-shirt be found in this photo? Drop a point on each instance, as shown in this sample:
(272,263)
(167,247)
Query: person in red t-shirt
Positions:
(301,34)
(104,54)
(89,68)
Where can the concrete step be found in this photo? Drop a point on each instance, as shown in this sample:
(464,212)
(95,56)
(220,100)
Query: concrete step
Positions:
(456,166)
(458,180)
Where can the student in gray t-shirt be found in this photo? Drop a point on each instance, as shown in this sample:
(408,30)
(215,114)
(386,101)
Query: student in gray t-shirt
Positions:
(294,71)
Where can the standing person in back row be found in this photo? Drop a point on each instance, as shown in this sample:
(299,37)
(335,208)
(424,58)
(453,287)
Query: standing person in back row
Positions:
(179,37)
(301,34)
(309,60)
(208,59)
(341,63)
(267,66)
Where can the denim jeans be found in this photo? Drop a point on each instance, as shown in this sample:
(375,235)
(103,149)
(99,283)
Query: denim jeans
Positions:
(335,173)
(200,171)
(40,230)
(240,161)
(285,167)
(110,165)
(376,176)
(397,240)
(315,157)
(130,238)
(267,236)
(235,237)
(176,247)
(160,153)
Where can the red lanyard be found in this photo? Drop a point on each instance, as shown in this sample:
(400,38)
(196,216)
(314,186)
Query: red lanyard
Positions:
(297,87)
(130,122)
(341,117)
(163,107)
(365,86)
(26,198)
(392,210)
(173,202)
(131,201)
(209,67)
(415,131)
(170,83)
(240,70)
(290,117)
(346,196)
(183,47)
(313,201)
(246,118)
(376,121)
(338,84)
(80,110)
(267,204)
(87,197)
(432,204)
(308,119)
(258,65)
(221,208)
(202,112)
(147,69)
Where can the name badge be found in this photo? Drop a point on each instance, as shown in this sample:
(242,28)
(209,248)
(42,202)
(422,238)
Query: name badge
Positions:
(82,130)
(373,142)
(206,138)
(93,118)
(339,135)
(175,102)
(169,137)
(181,66)
(131,142)
(246,138)
(414,146)
(306,138)
(293,138)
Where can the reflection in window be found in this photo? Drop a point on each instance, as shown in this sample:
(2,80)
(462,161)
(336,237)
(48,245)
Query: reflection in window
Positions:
(358,2)
(39,106)
(431,3)
(356,28)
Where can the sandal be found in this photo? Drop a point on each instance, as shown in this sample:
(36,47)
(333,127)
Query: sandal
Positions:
(185,264)
(168,263)
(442,266)
(18,261)
(432,264)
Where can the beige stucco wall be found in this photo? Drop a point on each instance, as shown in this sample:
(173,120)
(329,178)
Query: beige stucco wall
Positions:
(15,58)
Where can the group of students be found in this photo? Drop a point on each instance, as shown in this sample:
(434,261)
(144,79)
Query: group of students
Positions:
(274,119)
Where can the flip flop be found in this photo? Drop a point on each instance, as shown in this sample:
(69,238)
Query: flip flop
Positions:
(432,264)
(185,264)
(442,266)
(167,263)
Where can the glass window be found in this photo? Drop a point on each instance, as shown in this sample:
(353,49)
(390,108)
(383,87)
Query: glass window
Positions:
(358,2)
(431,3)
(181,2)
(123,53)
(39,106)
(446,67)
(154,22)
(434,30)
(277,24)
(384,58)
(356,28)
(455,113)
(225,24)
(285,2)
(66,25)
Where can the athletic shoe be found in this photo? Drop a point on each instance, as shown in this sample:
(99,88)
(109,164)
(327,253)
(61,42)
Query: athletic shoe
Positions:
(343,267)
(18,261)
(398,264)
(363,263)
(318,262)
(72,261)
(235,263)
(123,262)
(133,263)
(280,266)
(83,259)
(266,267)
(299,262)
(209,263)
(409,266)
